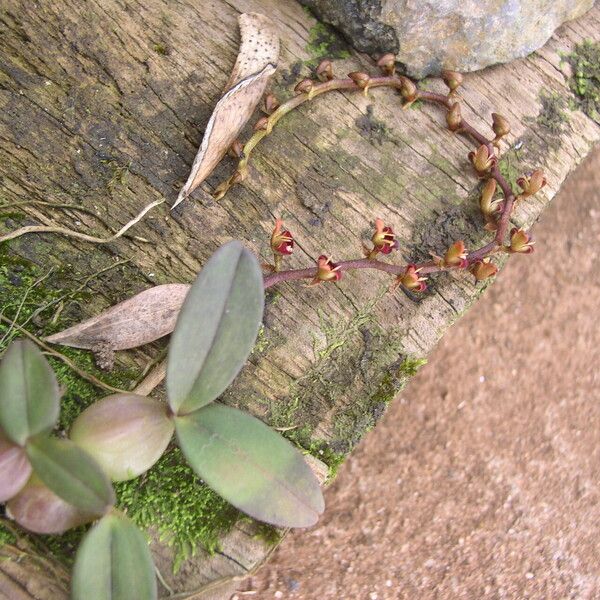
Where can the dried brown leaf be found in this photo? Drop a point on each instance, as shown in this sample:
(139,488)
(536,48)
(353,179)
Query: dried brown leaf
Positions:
(256,62)
(140,320)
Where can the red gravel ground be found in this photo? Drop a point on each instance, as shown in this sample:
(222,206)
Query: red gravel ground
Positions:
(482,481)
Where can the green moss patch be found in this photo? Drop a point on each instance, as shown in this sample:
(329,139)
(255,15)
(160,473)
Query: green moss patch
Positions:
(585,80)
(169,499)
(325,42)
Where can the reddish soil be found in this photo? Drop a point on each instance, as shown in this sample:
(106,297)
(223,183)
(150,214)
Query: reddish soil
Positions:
(482,481)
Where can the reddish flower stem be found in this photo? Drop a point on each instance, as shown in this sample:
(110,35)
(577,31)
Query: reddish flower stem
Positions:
(364,263)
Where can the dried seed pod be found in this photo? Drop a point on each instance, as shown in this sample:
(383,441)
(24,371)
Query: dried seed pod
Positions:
(125,433)
(387,64)
(325,70)
(256,62)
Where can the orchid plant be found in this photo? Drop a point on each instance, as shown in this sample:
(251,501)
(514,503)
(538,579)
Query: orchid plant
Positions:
(51,484)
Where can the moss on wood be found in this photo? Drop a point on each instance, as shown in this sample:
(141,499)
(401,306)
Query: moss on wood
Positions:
(585,80)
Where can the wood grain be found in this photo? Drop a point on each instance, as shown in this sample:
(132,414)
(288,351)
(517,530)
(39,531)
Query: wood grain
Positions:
(104,103)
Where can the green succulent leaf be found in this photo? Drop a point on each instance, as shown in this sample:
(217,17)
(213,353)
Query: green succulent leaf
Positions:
(216,328)
(71,473)
(125,433)
(250,465)
(29,396)
(113,562)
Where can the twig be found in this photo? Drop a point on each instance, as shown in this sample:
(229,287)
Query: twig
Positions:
(82,236)
(152,380)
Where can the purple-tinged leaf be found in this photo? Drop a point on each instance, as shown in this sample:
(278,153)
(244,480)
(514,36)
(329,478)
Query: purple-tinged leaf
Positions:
(71,473)
(126,434)
(113,562)
(216,329)
(14,469)
(29,396)
(250,465)
(40,510)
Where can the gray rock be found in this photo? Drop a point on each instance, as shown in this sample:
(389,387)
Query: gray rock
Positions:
(463,35)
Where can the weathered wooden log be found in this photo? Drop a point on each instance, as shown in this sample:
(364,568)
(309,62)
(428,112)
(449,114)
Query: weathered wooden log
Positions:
(103,105)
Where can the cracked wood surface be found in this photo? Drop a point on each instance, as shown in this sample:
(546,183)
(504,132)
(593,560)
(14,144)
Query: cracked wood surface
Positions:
(104,103)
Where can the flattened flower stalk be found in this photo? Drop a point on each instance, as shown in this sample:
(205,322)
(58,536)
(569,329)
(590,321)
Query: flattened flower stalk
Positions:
(496,203)
(256,62)
(496,211)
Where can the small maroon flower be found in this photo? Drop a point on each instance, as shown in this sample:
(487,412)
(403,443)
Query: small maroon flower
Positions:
(454,118)
(456,256)
(482,160)
(520,242)
(532,183)
(408,91)
(327,270)
(271,104)
(411,279)
(500,126)
(387,64)
(360,79)
(489,207)
(305,86)
(483,269)
(282,240)
(325,70)
(384,240)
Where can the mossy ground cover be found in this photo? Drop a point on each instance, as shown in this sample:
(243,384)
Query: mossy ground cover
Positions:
(585,79)
(169,498)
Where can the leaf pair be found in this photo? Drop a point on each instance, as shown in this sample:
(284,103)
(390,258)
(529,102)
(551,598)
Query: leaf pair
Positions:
(240,457)
(29,409)
(68,487)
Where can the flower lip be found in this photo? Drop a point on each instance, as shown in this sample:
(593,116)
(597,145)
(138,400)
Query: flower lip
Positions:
(411,279)
(282,240)
(327,270)
(384,239)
